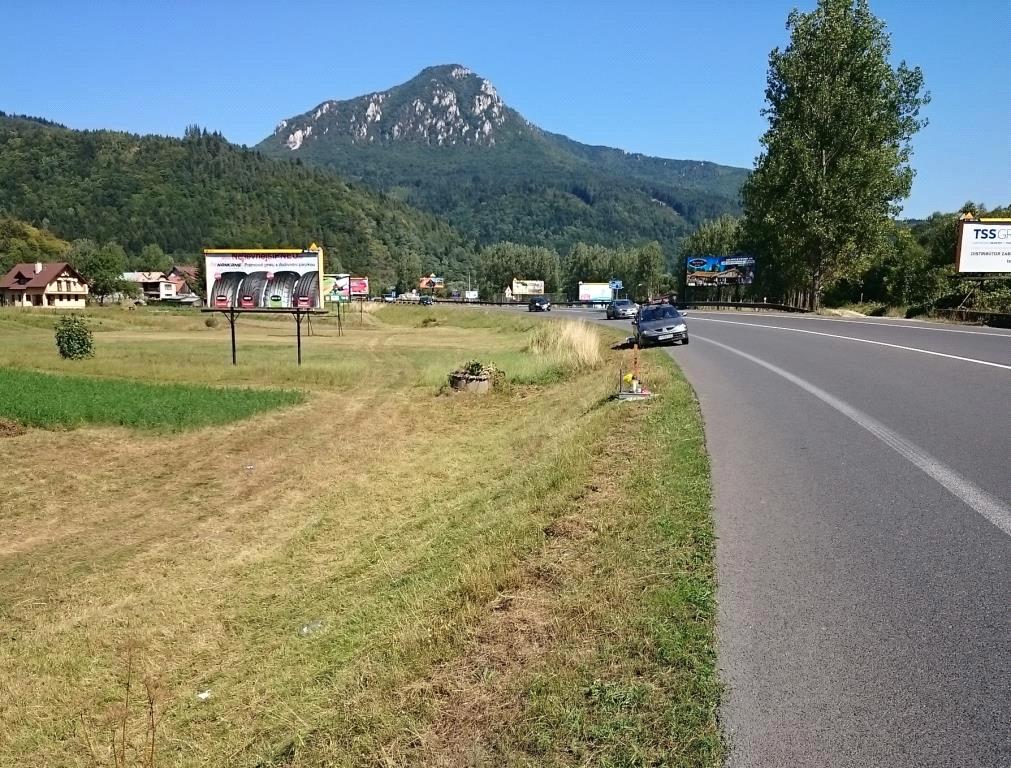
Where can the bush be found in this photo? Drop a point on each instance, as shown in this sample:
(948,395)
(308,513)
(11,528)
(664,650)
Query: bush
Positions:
(211,322)
(73,338)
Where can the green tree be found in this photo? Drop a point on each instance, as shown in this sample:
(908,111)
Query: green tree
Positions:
(648,271)
(835,158)
(151,259)
(408,270)
(716,237)
(103,268)
(599,264)
(498,264)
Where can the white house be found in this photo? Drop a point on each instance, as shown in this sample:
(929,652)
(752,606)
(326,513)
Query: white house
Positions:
(154,285)
(56,284)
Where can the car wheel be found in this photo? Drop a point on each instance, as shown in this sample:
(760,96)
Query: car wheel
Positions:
(684,340)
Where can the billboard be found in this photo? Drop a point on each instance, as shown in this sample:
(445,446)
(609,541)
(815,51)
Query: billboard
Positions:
(595,292)
(335,287)
(720,270)
(432,283)
(527,287)
(984,246)
(268,278)
(470,295)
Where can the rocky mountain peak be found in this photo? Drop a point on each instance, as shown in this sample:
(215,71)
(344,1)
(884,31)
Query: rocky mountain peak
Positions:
(445,105)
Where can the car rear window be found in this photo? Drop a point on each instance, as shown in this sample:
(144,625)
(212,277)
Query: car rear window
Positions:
(660,313)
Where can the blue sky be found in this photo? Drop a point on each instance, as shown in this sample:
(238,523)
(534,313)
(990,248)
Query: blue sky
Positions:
(675,79)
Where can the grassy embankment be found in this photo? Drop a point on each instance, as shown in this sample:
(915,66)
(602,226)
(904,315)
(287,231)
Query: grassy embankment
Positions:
(381,575)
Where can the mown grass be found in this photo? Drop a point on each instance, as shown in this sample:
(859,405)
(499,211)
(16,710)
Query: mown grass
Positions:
(353,579)
(48,400)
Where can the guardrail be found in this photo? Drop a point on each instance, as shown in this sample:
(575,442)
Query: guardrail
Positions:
(741,305)
(602,304)
(991,319)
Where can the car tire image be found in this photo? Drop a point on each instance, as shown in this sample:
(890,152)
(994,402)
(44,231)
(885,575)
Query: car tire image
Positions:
(307,285)
(281,285)
(254,286)
(230,285)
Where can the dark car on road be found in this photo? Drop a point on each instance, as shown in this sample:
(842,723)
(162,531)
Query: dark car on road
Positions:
(621,308)
(659,324)
(539,304)
(426,301)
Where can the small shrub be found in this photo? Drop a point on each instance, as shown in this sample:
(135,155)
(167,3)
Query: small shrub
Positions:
(73,338)
(429,321)
(211,322)
(473,368)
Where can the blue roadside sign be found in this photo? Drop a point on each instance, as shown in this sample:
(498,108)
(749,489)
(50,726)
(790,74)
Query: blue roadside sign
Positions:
(615,285)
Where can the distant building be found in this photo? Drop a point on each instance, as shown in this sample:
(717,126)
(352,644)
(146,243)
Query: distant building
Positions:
(185,279)
(56,285)
(154,285)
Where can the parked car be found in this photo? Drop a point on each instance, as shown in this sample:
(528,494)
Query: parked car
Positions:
(659,324)
(389,298)
(621,308)
(426,301)
(539,304)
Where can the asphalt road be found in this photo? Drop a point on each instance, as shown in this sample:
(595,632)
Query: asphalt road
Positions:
(862,499)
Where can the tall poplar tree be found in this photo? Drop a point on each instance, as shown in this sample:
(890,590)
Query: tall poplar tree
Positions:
(835,160)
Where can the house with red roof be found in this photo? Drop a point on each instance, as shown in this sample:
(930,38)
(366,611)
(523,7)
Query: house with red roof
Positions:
(56,285)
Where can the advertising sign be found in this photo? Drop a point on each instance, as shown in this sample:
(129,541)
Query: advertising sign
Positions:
(527,287)
(335,287)
(594,291)
(432,283)
(470,295)
(268,278)
(984,246)
(720,270)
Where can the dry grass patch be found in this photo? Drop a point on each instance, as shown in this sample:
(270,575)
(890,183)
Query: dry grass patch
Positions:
(319,571)
(573,344)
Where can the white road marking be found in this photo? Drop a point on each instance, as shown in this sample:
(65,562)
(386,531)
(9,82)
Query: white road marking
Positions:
(854,338)
(987,505)
(886,324)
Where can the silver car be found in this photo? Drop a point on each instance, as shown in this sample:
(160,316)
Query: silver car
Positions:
(659,324)
(621,308)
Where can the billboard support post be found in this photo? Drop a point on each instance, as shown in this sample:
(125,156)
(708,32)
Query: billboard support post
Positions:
(231,324)
(299,313)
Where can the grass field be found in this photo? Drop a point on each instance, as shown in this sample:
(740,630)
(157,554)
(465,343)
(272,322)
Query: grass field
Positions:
(383,575)
(39,399)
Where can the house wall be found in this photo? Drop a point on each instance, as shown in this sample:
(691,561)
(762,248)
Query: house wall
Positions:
(65,292)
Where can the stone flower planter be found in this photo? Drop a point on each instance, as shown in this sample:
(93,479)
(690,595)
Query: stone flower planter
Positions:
(466,382)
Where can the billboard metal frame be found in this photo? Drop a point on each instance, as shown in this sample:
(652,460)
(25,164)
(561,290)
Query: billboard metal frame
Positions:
(314,251)
(300,313)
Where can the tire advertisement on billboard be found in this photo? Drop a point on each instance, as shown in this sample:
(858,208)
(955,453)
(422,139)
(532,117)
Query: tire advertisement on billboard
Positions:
(276,278)
(984,246)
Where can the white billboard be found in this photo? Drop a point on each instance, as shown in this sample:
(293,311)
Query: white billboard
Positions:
(268,278)
(984,246)
(595,292)
(528,287)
